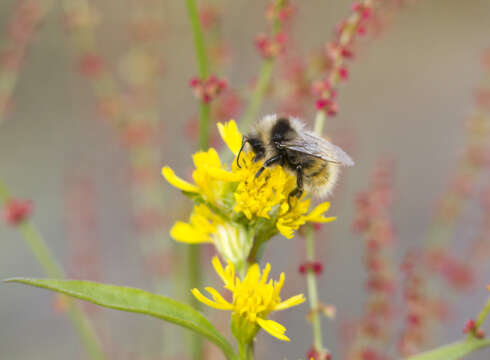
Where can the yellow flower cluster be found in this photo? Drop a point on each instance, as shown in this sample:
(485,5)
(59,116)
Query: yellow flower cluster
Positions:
(253,299)
(236,196)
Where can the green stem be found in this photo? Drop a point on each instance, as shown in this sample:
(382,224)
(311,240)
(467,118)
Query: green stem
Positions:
(263,81)
(52,269)
(313,290)
(319,122)
(204,119)
(311,283)
(245,351)
(483,314)
(199,44)
(194,253)
(257,97)
(481,317)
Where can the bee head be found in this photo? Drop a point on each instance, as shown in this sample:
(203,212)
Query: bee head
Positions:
(257,146)
(282,131)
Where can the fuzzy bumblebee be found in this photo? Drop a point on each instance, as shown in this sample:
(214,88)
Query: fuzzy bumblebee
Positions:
(313,160)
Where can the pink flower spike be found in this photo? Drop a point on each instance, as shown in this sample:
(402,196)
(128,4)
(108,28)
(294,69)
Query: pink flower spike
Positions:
(469,327)
(194,81)
(206,98)
(16,211)
(343,73)
(317,267)
(366,13)
(346,53)
(302,269)
(322,104)
(356,7)
(332,109)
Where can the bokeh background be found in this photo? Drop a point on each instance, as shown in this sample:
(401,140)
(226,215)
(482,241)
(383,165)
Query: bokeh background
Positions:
(105,211)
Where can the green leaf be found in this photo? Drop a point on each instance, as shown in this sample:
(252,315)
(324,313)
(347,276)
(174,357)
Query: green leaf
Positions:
(136,301)
(453,351)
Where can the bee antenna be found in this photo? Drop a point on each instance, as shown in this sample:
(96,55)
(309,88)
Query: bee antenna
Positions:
(244,141)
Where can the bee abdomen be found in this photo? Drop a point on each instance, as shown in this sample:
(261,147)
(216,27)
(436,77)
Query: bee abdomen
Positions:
(321,178)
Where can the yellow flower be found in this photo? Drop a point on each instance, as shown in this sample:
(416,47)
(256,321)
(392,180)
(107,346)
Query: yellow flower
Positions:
(292,219)
(253,299)
(258,197)
(238,191)
(231,136)
(202,224)
(207,183)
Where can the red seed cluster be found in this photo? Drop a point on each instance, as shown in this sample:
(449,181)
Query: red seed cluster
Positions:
(480,248)
(373,222)
(419,308)
(19,31)
(314,266)
(476,158)
(208,89)
(327,97)
(280,11)
(16,211)
(270,46)
(90,65)
(337,52)
(318,355)
(457,273)
(471,329)
(208,15)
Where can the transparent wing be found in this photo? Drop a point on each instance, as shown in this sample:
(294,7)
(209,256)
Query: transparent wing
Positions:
(311,144)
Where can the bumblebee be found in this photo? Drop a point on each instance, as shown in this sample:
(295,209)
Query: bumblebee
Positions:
(284,141)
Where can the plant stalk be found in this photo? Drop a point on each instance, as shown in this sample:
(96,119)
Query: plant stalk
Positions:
(263,81)
(194,252)
(258,94)
(245,351)
(481,317)
(311,282)
(313,290)
(52,269)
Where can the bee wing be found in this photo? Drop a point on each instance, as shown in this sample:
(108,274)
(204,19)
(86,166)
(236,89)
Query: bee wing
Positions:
(309,143)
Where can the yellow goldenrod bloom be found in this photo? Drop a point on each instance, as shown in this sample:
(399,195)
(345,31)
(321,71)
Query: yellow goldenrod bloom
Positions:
(237,192)
(253,299)
(292,219)
(210,187)
(202,223)
(231,136)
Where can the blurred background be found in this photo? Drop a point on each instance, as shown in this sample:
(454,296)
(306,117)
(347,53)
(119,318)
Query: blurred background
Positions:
(95,99)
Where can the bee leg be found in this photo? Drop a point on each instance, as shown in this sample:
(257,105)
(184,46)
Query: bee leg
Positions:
(299,184)
(268,163)
(244,141)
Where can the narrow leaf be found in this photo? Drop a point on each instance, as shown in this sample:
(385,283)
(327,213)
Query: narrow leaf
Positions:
(136,301)
(453,351)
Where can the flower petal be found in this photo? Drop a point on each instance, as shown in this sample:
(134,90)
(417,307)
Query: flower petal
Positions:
(292,301)
(206,301)
(285,231)
(186,233)
(231,136)
(222,174)
(218,298)
(273,328)
(227,276)
(179,183)
(320,209)
(317,214)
